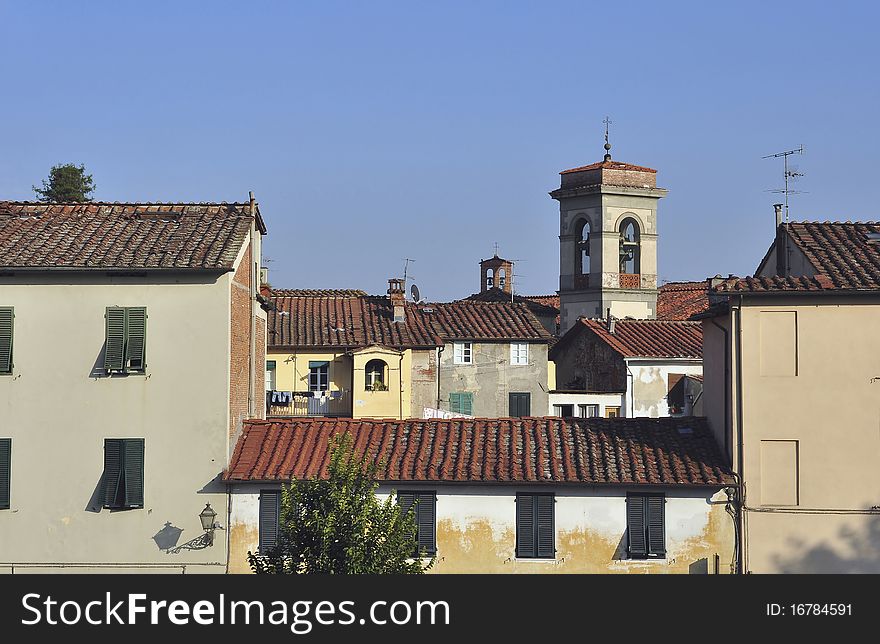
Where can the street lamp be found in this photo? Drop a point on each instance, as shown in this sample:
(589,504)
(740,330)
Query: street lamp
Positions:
(207,517)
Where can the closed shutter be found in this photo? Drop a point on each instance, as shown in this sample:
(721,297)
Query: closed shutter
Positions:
(136,341)
(426,511)
(635,525)
(6,319)
(525,525)
(545,530)
(113,455)
(5,471)
(133,472)
(114,346)
(461,403)
(406,500)
(270,516)
(656,531)
(520,404)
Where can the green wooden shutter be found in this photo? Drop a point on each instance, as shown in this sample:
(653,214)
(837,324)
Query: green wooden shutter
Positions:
(545,533)
(655,524)
(133,468)
(525,525)
(114,347)
(5,471)
(113,455)
(455,403)
(6,322)
(426,512)
(270,517)
(519,404)
(136,338)
(461,403)
(635,525)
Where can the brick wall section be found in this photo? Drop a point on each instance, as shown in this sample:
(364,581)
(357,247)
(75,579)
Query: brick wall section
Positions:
(260,368)
(591,365)
(239,345)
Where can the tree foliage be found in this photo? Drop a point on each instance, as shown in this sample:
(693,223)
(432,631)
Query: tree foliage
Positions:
(339,526)
(67,183)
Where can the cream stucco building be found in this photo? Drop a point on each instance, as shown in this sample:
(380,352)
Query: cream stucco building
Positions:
(131,350)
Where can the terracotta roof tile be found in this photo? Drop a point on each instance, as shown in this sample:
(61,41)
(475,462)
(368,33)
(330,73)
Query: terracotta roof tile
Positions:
(650,338)
(681,300)
(610,165)
(317,292)
(589,451)
(844,251)
(774,284)
(106,236)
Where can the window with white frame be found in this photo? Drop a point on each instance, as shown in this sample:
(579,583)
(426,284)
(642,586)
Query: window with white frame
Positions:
(463,352)
(589,411)
(519,353)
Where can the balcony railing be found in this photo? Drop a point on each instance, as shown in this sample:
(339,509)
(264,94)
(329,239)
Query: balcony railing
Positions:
(630,280)
(308,403)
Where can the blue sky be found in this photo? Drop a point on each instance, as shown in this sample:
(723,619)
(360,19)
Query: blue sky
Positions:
(371,132)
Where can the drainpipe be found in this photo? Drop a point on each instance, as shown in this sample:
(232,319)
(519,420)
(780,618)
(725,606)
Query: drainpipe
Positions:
(228,522)
(439,351)
(252,296)
(629,392)
(741,562)
(400,378)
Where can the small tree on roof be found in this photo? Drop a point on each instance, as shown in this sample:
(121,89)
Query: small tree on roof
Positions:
(66,183)
(338,525)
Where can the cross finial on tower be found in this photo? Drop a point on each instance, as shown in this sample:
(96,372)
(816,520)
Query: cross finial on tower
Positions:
(607,122)
(496,249)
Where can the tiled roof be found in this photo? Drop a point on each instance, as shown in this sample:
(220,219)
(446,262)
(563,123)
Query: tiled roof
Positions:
(317,292)
(551,301)
(774,284)
(108,236)
(840,250)
(650,338)
(358,321)
(610,165)
(496,294)
(681,300)
(589,451)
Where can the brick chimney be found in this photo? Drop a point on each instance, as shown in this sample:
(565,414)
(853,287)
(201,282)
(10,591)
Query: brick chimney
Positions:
(398,299)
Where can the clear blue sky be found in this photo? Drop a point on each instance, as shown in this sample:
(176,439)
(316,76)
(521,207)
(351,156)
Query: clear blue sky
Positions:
(374,131)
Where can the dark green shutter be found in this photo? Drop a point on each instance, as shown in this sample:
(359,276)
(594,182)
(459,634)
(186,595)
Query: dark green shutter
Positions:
(461,403)
(114,347)
(136,338)
(544,506)
(6,322)
(525,525)
(5,471)
(426,512)
(656,536)
(270,516)
(113,458)
(406,500)
(635,525)
(519,404)
(133,468)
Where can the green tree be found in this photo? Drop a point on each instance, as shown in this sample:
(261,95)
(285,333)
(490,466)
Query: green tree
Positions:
(338,525)
(66,183)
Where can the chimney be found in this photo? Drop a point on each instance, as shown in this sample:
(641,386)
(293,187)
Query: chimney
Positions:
(778,208)
(610,322)
(398,299)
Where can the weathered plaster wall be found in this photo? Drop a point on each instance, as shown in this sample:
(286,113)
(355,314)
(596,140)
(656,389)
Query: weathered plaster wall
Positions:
(650,385)
(476,530)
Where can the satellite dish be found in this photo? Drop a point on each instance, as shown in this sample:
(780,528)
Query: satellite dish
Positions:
(414,291)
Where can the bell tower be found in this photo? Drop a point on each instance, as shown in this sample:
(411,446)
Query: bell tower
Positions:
(496,273)
(607,240)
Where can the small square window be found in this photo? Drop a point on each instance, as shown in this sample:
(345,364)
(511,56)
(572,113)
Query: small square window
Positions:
(463,352)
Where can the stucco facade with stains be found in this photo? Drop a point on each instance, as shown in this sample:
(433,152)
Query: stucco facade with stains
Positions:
(476,530)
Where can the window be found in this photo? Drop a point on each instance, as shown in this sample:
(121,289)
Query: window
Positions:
(123,473)
(519,353)
(520,404)
(461,403)
(566,411)
(630,249)
(582,257)
(7,315)
(125,344)
(319,375)
(535,532)
(612,412)
(588,411)
(5,471)
(462,352)
(424,505)
(645,525)
(375,376)
(270,519)
(270,375)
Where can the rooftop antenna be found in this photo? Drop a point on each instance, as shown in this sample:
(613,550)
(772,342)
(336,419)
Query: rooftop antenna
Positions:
(406,261)
(607,122)
(788,174)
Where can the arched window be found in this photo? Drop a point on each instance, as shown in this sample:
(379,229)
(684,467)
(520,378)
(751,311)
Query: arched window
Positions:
(501,276)
(582,257)
(630,250)
(490,278)
(375,375)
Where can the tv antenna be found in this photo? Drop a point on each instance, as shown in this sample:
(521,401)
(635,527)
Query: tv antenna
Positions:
(788,174)
(406,261)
